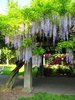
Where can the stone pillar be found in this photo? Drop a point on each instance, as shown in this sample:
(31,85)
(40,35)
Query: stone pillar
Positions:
(28,77)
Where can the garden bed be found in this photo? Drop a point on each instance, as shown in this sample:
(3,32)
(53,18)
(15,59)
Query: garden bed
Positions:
(59,70)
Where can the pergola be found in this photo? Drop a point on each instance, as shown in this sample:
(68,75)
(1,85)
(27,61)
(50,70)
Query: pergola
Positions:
(43,33)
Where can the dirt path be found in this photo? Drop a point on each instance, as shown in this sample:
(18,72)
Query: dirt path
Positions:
(54,85)
(14,94)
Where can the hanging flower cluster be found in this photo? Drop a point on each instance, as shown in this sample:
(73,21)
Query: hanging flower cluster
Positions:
(53,22)
(69,56)
(36,61)
(48,28)
(54,29)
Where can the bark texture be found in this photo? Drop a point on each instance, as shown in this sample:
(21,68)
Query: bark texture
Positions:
(12,78)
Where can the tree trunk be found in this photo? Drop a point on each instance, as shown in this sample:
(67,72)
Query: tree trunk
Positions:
(11,80)
(7,61)
(42,68)
(28,77)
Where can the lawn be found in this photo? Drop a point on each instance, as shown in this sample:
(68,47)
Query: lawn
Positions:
(52,70)
(8,68)
(47,96)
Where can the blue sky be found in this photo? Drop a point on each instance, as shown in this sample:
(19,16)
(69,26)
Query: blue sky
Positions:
(3,4)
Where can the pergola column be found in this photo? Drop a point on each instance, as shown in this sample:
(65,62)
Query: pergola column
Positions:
(28,77)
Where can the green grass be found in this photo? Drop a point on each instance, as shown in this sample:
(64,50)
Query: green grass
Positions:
(47,96)
(8,69)
(37,96)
